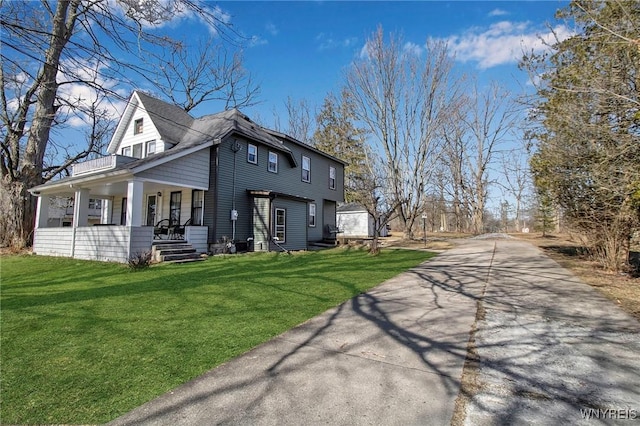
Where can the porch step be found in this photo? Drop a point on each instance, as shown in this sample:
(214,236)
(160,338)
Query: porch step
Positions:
(174,252)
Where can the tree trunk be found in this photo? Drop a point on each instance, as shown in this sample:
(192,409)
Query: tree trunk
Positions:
(16,228)
(16,201)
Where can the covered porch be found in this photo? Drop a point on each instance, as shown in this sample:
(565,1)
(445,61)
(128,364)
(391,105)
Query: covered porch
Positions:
(134,212)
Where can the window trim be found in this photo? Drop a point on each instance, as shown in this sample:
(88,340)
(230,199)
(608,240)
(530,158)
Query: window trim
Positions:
(313,210)
(255,147)
(147,145)
(123,212)
(197,211)
(332,180)
(275,163)
(126,151)
(151,220)
(308,169)
(138,126)
(139,146)
(280,228)
(172,207)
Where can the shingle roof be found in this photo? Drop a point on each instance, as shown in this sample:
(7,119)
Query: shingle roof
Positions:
(350,207)
(171,121)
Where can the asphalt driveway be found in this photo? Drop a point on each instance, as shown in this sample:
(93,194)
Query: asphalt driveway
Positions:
(549,349)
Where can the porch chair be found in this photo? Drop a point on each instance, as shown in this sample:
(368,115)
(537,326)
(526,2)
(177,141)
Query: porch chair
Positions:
(178,230)
(161,228)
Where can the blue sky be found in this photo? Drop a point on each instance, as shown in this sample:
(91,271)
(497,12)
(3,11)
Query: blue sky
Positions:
(301,49)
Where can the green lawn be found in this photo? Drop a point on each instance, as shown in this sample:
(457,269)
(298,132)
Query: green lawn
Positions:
(84,342)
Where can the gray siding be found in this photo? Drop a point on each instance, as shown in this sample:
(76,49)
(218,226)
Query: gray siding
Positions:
(197,237)
(296,220)
(329,217)
(210,197)
(288,180)
(141,239)
(191,170)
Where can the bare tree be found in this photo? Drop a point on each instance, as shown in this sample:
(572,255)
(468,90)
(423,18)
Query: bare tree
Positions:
(490,118)
(191,76)
(48,49)
(369,189)
(454,175)
(403,99)
(300,120)
(517,181)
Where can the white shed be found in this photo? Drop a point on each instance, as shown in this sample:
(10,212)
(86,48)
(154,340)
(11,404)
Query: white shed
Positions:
(354,221)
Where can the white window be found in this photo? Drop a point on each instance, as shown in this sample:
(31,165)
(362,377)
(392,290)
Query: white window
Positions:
(306,169)
(252,154)
(273,162)
(312,214)
(95,204)
(126,151)
(150,148)
(138,126)
(332,177)
(197,203)
(280,225)
(137,150)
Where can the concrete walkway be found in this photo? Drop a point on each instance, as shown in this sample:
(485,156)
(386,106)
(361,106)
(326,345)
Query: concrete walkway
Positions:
(548,347)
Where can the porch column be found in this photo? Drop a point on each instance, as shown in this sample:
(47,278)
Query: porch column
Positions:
(107,210)
(135,197)
(81,208)
(42,211)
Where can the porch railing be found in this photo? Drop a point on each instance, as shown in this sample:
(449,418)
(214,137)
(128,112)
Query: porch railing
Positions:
(100,164)
(106,243)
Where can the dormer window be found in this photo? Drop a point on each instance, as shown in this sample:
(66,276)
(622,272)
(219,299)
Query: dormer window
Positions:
(137,151)
(151,147)
(138,126)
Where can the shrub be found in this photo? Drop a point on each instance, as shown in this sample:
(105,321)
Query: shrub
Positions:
(140,260)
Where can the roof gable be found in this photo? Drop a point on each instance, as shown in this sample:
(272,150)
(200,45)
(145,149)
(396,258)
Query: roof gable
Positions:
(170,121)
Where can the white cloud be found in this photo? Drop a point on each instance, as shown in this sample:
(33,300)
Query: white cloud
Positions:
(272,29)
(81,96)
(257,41)
(327,42)
(498,12)
(156,14)
(502,43)
(412,48)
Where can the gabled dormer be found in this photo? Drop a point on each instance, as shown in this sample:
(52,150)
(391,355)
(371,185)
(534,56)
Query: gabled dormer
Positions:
(148,126)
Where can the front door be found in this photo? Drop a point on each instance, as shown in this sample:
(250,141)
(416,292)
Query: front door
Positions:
(151,210)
